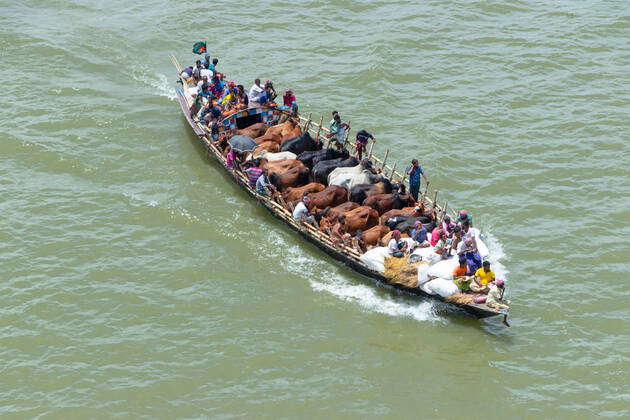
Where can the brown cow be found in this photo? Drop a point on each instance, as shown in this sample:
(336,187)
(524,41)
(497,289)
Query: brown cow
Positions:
(270,146)
(385,202)
(294,194)
(280,166)
(275,137)
(372,236)
(290,130)
(362,218)
(253,131)
(338,210)
(294,177)
(330,197)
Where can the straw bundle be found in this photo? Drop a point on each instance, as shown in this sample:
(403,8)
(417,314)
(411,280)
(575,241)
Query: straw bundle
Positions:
(399,272)
(459,298)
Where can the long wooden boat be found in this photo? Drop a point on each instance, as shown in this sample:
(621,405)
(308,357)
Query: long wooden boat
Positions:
(348,256)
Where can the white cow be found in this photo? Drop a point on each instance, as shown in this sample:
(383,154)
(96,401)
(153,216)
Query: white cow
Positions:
(355,175)
(276,157)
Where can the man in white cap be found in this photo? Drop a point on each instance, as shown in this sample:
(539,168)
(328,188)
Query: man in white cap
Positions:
(301,213)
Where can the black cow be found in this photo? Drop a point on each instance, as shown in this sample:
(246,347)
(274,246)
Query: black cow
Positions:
(300,144)
(359,193)
(325,167)
(310,158)
(405,224)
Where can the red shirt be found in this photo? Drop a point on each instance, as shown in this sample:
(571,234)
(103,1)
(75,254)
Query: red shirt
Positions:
(288,99)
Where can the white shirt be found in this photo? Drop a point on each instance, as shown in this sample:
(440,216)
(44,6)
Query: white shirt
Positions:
(300,211)
(393,246)
(254,93)
(206,72)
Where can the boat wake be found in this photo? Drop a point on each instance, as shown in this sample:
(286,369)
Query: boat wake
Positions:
(157,81)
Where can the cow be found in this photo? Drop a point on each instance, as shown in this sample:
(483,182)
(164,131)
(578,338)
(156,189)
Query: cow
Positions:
(311,158)
(360,218)
(294,194)
(385,202)
(330,197)
(280,167)
(292,178)
(276,157)
(253,131)
(300,144)
(290,130)
(408,212)
(325,167)
(349,177)
(267,146)
(372,236)
(406,224)
(336,211)
(360,192)
(274,137)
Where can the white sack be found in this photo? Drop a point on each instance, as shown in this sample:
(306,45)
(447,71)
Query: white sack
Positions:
(444,268)
(375,258)
(441,287)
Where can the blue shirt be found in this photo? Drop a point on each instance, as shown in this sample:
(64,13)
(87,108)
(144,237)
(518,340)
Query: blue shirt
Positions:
(264,97)
(419,235)
(414,175)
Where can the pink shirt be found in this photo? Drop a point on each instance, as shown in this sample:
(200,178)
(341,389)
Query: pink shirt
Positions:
(288,99)
(435,236)
(229,160)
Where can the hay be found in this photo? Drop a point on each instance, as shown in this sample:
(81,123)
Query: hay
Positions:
(459,298)
(398,271)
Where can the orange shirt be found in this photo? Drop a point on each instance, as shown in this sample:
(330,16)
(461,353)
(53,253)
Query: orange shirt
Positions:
(460,271)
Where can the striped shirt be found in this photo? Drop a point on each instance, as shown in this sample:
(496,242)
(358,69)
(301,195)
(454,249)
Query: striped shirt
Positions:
(252,175)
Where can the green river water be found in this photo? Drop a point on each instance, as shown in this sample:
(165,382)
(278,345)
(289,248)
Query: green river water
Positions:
(139,282)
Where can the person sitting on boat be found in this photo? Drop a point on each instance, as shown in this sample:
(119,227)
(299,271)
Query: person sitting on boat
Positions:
(212,66)
(467,232)
(187,73)
(468,249)
(358,242)
(242,96)
(339,232)
(196,70)
(265,97)
(460,275)
(210,114)
(443,245)
(264,186)
(301,213)
(217,86)
(495,298)
(435,234)
(254,94)
(288,98)
(396,246)
(207,72)
(271,91)
(362,141)
(447,226)
(457,238)
(197,105)
(463,217)
(483,276)
(253,173)
(419,234)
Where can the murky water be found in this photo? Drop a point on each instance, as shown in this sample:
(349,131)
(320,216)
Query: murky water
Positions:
(139,282)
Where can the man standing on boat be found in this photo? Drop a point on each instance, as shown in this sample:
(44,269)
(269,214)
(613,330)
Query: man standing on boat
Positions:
(414,172)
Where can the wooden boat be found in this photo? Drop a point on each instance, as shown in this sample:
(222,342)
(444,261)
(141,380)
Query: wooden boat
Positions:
(347,255)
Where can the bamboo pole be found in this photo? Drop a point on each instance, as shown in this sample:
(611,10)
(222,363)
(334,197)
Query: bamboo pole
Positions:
(391,176)
(370,151)
(319,128)
(308,122)
(435,198)
(385,159)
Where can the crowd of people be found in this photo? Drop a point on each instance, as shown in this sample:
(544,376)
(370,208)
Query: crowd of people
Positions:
(215,98)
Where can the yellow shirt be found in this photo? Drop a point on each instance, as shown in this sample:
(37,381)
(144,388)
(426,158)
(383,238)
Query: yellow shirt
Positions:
(484,278)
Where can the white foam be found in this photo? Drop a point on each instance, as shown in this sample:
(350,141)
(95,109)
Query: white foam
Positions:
(157,81)
(367,298)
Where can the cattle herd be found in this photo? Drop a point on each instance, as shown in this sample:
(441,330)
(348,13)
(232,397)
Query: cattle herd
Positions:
(336,184)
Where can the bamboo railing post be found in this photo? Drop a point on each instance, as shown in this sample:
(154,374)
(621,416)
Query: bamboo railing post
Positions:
(384,159)
(369,156)
(319,128)
(435,198)
(308,122)
(391,176)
